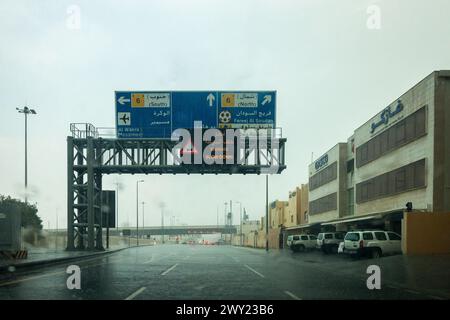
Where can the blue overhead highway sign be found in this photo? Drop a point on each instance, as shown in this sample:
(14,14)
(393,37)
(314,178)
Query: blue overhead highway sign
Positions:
(156,114)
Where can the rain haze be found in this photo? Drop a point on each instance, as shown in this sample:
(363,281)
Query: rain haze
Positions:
(331,72)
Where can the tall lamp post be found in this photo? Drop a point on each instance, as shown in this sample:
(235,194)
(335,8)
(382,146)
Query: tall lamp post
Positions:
(225,219)
(137,211)
(267,212)
(240,222)
(26,111)
(117,203)
(143,222)
(162,205)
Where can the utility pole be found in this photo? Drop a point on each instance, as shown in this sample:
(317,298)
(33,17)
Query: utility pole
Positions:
(117,204)
(217,213)
(56,235)
(162,205)
(231,213)
(267,213)
(240,222)
(225,217)
(137,211)
(26,111)
(240,213)
(231,218)
(143,224)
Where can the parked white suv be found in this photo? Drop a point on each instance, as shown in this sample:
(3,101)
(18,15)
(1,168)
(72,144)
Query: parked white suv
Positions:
(329,241)
(372,243)
(305,242)
(291,238)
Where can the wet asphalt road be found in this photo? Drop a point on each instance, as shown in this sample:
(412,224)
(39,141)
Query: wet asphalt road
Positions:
(205,272)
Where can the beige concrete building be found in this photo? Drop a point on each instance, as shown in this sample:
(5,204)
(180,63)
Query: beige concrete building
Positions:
(277,213)
(250,228)
(296,212)
(400,155)
(328,185)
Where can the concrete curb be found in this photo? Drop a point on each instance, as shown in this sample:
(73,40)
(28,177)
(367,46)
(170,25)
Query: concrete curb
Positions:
(49,262)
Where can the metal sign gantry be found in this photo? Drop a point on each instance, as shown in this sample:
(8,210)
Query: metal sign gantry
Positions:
(90,155)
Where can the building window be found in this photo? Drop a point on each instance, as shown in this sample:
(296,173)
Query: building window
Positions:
(406,178)
(400,134)
(323,177)
(324,204)
(350,165)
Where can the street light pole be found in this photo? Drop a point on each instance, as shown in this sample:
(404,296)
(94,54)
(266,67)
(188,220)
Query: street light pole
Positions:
(143,222)
(267,212)
(26,111)
(225,218)
(137,211)
(240,222)
(240,213)
(117,204)
(162,223)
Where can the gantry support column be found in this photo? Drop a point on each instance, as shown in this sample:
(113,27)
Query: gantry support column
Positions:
(98,199)
(70,197)
(90,194)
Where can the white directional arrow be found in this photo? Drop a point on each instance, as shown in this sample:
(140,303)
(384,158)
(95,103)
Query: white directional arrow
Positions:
(267,99)
(122,100)
(210,99)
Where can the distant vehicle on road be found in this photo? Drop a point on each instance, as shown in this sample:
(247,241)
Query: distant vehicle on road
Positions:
(305,242)
(329,241)
(372,243)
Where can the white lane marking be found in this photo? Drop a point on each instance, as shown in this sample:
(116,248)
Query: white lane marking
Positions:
(158,258)
(187,257)
(293,296)
(253,270)
(436,298)
(412,291)
(170,269)
(136,293)
(392,287)
(148,261)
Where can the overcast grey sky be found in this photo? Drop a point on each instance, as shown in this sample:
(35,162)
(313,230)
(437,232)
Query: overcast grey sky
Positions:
(331,72)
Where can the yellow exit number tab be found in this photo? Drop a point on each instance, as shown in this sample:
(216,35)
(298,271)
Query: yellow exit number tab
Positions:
(137,100)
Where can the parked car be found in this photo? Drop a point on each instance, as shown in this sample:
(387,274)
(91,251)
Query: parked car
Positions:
(291,238)
(372,243)
(305,242)
(341,247)
(329,241)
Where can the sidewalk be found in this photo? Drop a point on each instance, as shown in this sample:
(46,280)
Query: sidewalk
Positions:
(44,256)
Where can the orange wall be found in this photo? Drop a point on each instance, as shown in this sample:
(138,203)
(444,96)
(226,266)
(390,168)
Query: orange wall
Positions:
(426,233)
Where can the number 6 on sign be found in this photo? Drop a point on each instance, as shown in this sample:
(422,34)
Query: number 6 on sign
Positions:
(228,100)
(137,100)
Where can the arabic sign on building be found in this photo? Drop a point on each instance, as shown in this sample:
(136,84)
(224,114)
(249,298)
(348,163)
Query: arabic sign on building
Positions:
(321,162)
(157,114)
(386,115)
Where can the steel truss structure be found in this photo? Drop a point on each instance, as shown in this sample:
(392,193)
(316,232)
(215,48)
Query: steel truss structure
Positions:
(89,156)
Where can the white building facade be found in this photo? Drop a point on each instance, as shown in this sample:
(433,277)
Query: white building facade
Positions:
(400,155)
